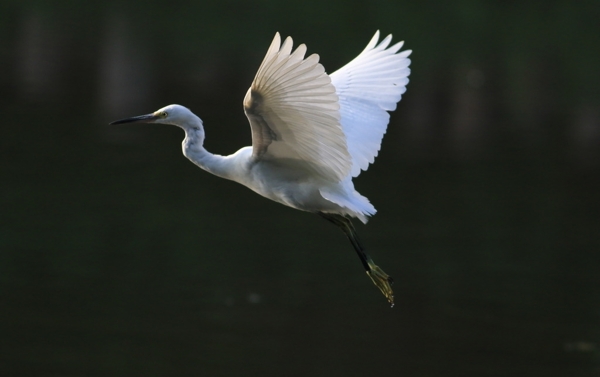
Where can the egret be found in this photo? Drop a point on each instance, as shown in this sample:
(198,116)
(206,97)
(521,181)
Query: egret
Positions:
(312,133)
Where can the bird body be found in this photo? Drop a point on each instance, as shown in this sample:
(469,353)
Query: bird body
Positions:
(312,133)
(289,181)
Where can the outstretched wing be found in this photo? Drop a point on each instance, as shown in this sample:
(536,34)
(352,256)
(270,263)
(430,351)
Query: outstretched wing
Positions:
(294,113)
(368,87)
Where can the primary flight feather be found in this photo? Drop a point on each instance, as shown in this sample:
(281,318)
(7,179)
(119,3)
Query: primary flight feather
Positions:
(311,133)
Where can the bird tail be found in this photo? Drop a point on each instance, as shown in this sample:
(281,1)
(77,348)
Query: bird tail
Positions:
(353,203)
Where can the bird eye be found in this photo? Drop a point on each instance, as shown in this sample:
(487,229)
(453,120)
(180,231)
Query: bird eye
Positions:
(164,114)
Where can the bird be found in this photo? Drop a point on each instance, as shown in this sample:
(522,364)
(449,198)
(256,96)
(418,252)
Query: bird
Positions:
(312,133)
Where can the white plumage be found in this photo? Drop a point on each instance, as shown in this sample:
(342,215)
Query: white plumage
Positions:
(311,132)
(294,113)
(368,87)
(334,124)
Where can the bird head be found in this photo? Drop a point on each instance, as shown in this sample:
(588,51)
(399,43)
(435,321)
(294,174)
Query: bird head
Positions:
(176,115)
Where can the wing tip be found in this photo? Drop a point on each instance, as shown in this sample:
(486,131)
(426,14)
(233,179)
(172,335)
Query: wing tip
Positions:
(276,39)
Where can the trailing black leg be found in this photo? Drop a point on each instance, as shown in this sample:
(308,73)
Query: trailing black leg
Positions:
(381,279)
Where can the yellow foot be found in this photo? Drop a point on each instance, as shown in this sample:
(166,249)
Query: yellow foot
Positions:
(383,281)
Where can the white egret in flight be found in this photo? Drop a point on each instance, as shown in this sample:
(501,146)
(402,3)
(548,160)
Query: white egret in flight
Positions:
(312,133)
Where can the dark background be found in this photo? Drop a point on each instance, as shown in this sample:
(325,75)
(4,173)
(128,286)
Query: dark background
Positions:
(118,257)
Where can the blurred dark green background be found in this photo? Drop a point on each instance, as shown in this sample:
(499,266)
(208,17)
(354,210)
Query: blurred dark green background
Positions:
(118,257)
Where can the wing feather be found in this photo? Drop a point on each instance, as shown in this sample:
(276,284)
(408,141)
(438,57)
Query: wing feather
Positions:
(294,114)
(368,87)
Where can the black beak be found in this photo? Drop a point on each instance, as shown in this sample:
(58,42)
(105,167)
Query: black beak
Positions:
(138,119)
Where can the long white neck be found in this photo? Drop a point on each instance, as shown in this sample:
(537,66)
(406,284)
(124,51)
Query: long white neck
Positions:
(193,149)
